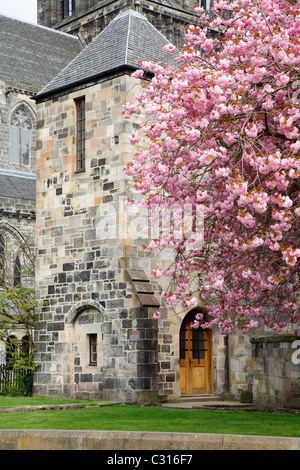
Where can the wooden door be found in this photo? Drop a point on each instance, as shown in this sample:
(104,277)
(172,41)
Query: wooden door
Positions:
(195,359)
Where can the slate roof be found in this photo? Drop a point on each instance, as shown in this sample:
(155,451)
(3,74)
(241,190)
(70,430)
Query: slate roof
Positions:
(31,55)
(17,185)
(128,39)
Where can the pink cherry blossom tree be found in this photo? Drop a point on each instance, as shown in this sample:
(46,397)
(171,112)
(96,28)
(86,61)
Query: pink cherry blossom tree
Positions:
(222,135)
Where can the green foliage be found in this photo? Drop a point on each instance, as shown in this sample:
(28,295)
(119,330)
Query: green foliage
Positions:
(15,382)
(22,360)
(17,305)
(19,401)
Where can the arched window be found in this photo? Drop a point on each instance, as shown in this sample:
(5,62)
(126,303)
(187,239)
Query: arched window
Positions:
(20,136)
(25,345)
(17,272)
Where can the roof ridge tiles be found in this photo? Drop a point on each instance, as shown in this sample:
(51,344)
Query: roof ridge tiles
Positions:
(39,26)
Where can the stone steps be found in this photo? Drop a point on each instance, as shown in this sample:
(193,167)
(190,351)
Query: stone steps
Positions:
(204,401)
(200,398)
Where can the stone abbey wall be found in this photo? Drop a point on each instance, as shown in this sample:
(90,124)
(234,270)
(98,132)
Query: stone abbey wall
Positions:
(17,198)
(83,265)
(10,100)
(276,371)
(93,276)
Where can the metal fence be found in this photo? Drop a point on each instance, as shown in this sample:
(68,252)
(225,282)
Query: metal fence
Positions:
(15,381)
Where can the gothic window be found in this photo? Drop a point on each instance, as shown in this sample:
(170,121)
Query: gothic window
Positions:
(17,272)
(20,134)
(80,134)
(67,8)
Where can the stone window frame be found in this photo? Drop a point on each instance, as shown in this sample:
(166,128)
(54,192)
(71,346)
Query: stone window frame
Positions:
(92,344)
(18,124)
(71,322)
(67,8)
(31,118)
(79,307)
(24,346)
(80,104)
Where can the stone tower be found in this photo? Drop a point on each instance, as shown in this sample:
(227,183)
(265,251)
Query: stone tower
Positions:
(95,336)
(30,57)
(87,18)
(94,332)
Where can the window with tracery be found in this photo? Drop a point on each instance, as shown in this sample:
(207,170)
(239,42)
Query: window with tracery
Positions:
(20,136)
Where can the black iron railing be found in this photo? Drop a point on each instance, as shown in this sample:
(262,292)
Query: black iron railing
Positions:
(15,381)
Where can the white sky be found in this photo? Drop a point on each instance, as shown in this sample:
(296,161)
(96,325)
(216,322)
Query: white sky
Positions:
(20,9)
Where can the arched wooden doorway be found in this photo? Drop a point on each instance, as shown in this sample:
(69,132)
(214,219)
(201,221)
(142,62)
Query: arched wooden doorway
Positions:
(195,358)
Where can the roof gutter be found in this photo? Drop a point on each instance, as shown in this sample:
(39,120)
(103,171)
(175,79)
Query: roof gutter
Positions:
(87,82)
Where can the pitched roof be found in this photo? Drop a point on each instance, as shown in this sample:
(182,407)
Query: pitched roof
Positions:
(128,39)
(17,185)
(31,55)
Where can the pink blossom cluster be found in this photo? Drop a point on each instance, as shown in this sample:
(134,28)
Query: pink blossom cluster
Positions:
(224,132)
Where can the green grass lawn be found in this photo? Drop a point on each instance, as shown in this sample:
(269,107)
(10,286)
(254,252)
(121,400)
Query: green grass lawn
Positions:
(142,418)
(13,402)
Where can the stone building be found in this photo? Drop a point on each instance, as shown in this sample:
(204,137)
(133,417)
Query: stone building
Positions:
(30,56)
(87,18)
(94,335)
(94,332)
